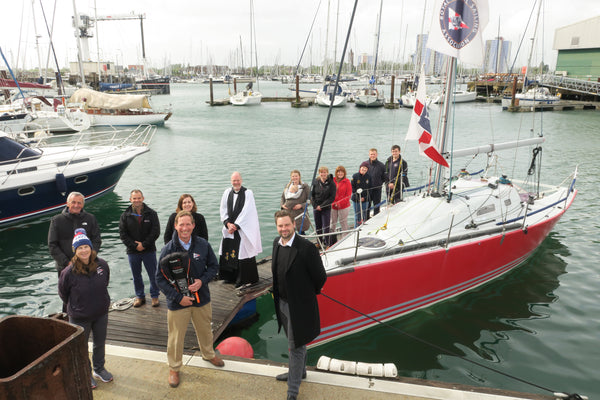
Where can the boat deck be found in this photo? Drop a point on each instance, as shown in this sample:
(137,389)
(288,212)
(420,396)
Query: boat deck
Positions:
(146,327)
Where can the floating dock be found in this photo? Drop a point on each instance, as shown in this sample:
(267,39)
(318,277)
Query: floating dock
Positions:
(145,327)
(563,105)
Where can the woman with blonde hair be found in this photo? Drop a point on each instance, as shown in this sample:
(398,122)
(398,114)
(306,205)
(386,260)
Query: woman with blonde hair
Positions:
(294,198)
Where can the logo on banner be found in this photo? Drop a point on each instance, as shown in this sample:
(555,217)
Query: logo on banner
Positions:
(459,21)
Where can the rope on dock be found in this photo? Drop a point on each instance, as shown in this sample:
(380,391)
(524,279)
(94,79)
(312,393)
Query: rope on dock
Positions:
(122,305)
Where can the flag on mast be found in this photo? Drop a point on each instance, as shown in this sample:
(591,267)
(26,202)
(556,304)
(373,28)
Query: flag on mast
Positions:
(420,127)
(457,29)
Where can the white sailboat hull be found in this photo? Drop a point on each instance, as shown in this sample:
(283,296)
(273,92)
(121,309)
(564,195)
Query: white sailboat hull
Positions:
(246,98)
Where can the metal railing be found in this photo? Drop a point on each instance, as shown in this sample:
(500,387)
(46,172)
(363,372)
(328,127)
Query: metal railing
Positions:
(576,85)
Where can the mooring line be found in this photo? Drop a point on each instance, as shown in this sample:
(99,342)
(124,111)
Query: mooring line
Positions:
(450,352)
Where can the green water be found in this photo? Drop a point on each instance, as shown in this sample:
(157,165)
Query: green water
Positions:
(539,323)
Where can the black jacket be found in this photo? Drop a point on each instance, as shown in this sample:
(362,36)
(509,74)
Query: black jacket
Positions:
(146,231)
(61,232)
(377,172)
(304,279)
(361,182)
(323,193)
(391,172)
(200,228)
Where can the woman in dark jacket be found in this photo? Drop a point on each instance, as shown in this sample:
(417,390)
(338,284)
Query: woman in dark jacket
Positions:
(83,286)
(322,196)
(186,202)
(361,185)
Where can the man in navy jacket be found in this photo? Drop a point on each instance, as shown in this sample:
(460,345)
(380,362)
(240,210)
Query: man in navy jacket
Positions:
(203,268)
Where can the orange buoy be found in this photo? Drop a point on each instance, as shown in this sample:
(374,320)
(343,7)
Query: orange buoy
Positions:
(236,346)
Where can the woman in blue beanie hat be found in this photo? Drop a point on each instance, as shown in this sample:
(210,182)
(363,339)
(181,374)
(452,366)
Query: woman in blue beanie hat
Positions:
(83,286)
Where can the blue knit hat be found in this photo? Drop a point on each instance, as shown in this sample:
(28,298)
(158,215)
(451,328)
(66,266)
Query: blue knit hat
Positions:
(81,238)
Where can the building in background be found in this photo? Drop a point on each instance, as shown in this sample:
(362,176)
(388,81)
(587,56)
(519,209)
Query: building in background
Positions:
(497,56)
(578,48)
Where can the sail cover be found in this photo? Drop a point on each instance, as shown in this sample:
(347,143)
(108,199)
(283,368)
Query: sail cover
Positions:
(95,99)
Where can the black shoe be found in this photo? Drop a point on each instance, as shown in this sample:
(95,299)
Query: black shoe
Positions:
(291,397)
(284,377)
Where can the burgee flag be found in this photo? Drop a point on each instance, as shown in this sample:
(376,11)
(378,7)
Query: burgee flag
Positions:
(456,29)
(420,127)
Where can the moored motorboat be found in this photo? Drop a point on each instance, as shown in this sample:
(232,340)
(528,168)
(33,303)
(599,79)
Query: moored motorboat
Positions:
(535,96)
(246,97)
(457,96)
(369,96)
(37,179)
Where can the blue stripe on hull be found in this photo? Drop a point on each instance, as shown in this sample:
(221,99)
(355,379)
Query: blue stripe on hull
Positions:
(46,199)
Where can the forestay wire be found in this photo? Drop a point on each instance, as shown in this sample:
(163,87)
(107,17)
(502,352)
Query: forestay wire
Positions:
(337,82)
(307,38)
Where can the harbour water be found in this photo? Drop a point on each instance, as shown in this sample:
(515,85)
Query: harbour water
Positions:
(539,323)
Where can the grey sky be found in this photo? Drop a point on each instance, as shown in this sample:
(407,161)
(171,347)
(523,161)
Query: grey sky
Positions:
(208,32)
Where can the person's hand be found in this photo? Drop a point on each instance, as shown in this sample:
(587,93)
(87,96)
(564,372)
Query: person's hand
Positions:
(186,301)
(139,246)
(391,185)
(297,206)
(194,287)
(231,227)
(318,208)
(284,207)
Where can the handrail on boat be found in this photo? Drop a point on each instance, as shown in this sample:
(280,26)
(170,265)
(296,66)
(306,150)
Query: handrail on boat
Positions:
(141,136)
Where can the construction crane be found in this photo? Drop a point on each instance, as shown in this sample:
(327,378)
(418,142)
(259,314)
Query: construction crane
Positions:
(141,17)
(86,23)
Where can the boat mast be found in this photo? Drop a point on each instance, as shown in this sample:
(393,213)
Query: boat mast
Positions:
(78,35)
(441,143)
(325,62)
(37,44)
(420,40)
(377,41)
(524,88)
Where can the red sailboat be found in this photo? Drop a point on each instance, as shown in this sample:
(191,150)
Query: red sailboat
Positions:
(460,232)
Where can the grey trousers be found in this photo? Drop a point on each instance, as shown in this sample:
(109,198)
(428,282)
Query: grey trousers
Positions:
(297,355)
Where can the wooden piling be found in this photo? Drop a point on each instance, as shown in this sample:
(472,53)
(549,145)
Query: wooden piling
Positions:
(212,102)
(391,105)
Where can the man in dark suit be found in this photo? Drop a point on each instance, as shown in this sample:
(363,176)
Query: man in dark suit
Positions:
(298,276)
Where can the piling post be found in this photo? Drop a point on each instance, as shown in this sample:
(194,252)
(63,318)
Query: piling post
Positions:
(234,85)
(298,103)
(211,91)
(392,104)
(514,90)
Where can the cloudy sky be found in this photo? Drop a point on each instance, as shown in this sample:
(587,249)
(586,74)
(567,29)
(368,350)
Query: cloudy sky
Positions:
(209,32)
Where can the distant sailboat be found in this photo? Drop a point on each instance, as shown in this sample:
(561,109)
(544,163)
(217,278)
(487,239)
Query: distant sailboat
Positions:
(370,96)
(249,97)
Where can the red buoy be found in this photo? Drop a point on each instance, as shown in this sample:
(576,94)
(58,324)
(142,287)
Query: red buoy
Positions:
(236,346)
